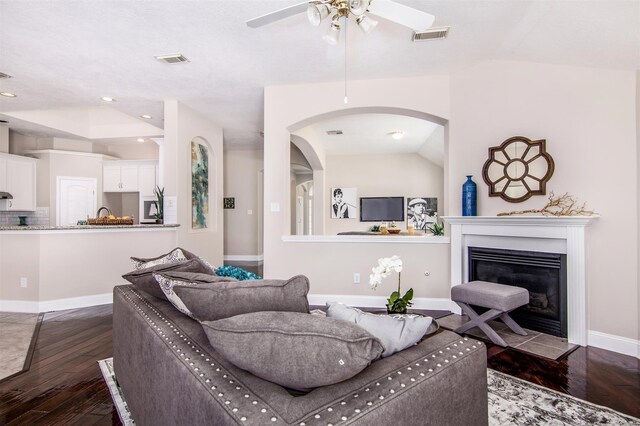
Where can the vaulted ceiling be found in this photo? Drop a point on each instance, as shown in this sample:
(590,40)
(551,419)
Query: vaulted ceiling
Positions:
(68,54)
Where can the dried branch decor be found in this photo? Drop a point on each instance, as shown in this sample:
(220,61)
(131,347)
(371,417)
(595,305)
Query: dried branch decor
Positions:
(564,205)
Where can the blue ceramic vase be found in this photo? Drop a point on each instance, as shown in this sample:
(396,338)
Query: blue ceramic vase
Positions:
(469,200)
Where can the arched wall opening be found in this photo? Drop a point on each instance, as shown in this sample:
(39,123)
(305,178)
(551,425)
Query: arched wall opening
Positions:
(317,157)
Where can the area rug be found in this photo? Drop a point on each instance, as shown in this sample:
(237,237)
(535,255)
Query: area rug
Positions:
(18,334)
(511,402)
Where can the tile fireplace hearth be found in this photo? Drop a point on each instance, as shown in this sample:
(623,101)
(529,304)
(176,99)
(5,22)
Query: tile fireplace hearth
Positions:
(541,234)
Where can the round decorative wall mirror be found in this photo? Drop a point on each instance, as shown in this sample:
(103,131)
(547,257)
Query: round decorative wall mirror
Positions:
(518,169)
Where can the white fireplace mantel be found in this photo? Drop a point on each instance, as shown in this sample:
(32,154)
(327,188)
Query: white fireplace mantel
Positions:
(552,234)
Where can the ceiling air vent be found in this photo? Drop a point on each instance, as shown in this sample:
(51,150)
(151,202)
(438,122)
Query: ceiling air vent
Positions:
(3,75)
(334,132)
(432,34)
(176,58)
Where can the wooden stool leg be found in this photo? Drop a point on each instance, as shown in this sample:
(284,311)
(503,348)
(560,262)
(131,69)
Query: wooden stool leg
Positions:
(480,321)
(512,324)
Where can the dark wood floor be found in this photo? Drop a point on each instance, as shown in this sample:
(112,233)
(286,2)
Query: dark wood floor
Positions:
(64,385)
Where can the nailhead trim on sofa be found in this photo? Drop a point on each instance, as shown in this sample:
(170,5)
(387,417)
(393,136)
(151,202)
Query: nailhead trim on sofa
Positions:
(243,405)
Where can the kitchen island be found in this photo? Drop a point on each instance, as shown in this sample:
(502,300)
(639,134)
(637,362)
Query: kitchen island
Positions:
(46,268)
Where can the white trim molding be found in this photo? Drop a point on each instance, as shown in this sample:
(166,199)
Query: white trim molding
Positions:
(55,305)
(565,234)
(404,239)
(610,342)
(244,258)
(377,301)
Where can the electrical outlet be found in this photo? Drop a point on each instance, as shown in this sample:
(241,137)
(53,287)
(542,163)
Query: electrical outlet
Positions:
(23,282)
(356,278)
(249,211)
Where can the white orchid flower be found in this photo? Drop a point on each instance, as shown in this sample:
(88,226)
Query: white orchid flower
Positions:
(385,266)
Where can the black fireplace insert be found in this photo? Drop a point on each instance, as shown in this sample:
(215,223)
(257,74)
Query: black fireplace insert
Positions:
(544,275)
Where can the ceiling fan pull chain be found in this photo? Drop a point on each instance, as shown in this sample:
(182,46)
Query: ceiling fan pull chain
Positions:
(346,24)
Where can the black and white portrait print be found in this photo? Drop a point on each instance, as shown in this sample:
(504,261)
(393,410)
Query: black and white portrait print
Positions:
(422,212)
(343,203)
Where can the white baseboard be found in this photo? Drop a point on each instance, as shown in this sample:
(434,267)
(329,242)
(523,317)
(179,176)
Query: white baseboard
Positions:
(610,342)
(55,305)
(377,301)
(244,258)
(19,306)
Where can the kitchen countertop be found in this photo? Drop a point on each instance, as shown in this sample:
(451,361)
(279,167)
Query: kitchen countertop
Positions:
(85,227)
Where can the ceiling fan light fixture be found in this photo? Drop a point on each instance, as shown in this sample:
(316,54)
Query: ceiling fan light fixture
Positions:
(358,7)
(316,13)
(333,33)
(366,24)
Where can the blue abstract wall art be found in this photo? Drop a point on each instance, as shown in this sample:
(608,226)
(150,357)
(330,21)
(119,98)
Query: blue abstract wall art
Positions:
(199,185)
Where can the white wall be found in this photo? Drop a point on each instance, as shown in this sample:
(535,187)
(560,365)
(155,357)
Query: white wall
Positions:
(289,108)
(588,117)
(241,181)
(71,264)
(19,143)
(137,151)
(182,125)
(406,175)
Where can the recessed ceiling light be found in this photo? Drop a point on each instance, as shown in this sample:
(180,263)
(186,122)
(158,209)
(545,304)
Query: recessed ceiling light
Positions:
(397,135)
(140,140)
(146,116)
(107,99)
(8,95)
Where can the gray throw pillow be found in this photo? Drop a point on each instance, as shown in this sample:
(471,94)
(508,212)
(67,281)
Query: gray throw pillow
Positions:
(395,333)
(195,277)
(226,299)
(143,279)
(174,255)
(295,350)
(169,280)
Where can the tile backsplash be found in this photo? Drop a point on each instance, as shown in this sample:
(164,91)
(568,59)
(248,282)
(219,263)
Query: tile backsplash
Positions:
(38,218)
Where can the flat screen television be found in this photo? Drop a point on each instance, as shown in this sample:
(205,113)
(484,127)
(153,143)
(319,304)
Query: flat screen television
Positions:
(381,209)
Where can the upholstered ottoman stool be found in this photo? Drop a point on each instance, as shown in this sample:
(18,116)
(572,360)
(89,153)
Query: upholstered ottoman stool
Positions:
(499,298)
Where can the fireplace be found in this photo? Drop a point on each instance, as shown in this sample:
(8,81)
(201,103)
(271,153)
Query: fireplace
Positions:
(544,275)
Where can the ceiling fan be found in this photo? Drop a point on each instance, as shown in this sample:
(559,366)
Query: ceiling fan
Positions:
(317,10)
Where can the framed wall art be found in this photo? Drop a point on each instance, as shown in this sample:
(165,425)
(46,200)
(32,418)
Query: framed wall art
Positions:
(199,185)
(343,203)
(422,212)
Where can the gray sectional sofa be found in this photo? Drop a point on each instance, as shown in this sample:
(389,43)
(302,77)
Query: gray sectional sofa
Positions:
(170,375)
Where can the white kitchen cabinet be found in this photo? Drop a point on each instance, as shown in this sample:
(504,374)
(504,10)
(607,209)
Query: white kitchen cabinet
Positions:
(120,177)
(18,177)
(147,179)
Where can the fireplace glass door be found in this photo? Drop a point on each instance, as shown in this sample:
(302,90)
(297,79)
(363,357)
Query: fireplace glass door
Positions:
(544,275)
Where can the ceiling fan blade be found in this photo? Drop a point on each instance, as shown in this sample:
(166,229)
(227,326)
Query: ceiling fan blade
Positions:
(277,15)
(401,14)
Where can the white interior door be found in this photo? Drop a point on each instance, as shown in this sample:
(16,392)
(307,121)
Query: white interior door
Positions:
(77,199)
